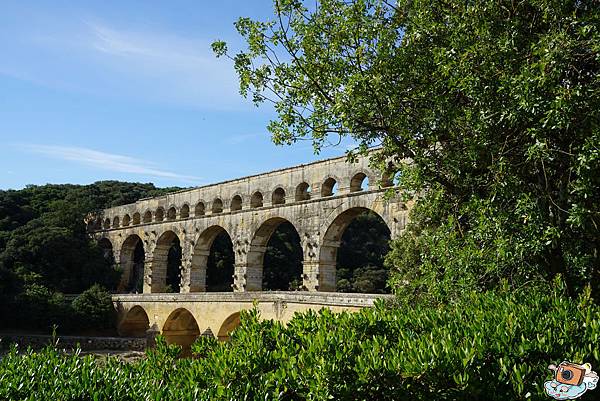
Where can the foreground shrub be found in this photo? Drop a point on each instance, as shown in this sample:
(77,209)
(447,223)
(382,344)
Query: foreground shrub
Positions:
(94,308)
(492,346)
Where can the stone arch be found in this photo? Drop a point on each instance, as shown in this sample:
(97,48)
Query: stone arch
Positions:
(106,223)
(160,260)
(278,196)
(147,217)
(135,323)
(217,206)
(184,213)
(257,250)
(328,188)
(303,191)
(357,182)
(132,259)
(98,223)
(230,324)
(199,209)
(387,179)
(236,203)
(172,213)
(181,328)
(126,220)
(200,257)
(256,200)
(136,218)
(334,229)
(115,223)
(159,215)
(107,248)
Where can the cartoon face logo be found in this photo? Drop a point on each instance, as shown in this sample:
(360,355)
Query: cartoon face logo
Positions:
(570,381)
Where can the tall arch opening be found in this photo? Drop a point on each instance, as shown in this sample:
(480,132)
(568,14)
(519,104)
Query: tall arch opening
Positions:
(116,222)
(236,203)
(278,197)
(213,261)
(185,211)
(135,323)
(360,182)
(230,324)
(132,264)
(220,264)
(147,216)
(166,265)
(217,206)
(126,220)
(159,215)
(257,199)
(107,250)
(181,328)
(357,264)
(277,254)
(199,209)
(106,225)
(302,192)
(329,187)
(172,213)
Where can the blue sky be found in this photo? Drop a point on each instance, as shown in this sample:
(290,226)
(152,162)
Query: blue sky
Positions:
(129,90)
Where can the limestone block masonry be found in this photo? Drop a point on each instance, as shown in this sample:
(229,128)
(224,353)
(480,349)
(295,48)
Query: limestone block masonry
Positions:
(319,199)
(181,318)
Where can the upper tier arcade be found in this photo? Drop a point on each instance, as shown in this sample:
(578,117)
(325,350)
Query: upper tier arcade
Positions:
(319,199)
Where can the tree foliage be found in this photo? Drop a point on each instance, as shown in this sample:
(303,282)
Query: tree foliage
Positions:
(221,264)
(282,266)
(360,257)
(491,346)
(94,308)
(45,249)
(494,103)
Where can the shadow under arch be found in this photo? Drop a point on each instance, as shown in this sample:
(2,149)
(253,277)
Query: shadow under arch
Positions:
(107,249)
(132,264)
(331,242)
(166,263)
(230,324)
(260,260)
(181,328)
(211,271)
(135,323)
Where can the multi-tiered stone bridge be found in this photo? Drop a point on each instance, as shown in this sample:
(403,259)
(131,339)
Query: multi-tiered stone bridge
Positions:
(319,200)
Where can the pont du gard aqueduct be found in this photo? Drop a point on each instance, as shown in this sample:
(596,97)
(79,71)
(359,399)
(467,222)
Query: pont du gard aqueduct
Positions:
(319,199)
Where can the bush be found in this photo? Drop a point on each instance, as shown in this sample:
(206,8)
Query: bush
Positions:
(489,346)
(94,308)
(38,308)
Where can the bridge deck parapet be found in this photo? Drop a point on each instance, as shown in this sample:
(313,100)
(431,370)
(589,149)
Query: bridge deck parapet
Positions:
(309,298)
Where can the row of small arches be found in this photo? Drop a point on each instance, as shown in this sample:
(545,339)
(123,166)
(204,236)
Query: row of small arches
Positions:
(303,192)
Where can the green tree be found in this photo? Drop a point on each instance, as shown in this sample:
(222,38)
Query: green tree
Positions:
(45,250)
(221,264)
(282,268)
(360,257)
(495,104)
(94,308)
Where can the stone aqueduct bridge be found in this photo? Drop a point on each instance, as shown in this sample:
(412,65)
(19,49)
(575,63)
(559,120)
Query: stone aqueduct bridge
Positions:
(181,318)
(249,209)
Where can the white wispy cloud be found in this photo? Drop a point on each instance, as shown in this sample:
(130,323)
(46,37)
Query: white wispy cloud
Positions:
(243,138)
(101,58)
(105,161)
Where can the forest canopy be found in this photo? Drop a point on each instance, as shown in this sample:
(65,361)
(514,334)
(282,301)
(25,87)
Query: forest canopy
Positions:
(45,250)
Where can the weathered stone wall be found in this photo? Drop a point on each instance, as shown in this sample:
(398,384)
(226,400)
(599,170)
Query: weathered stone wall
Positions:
(73,342)
(217,313)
